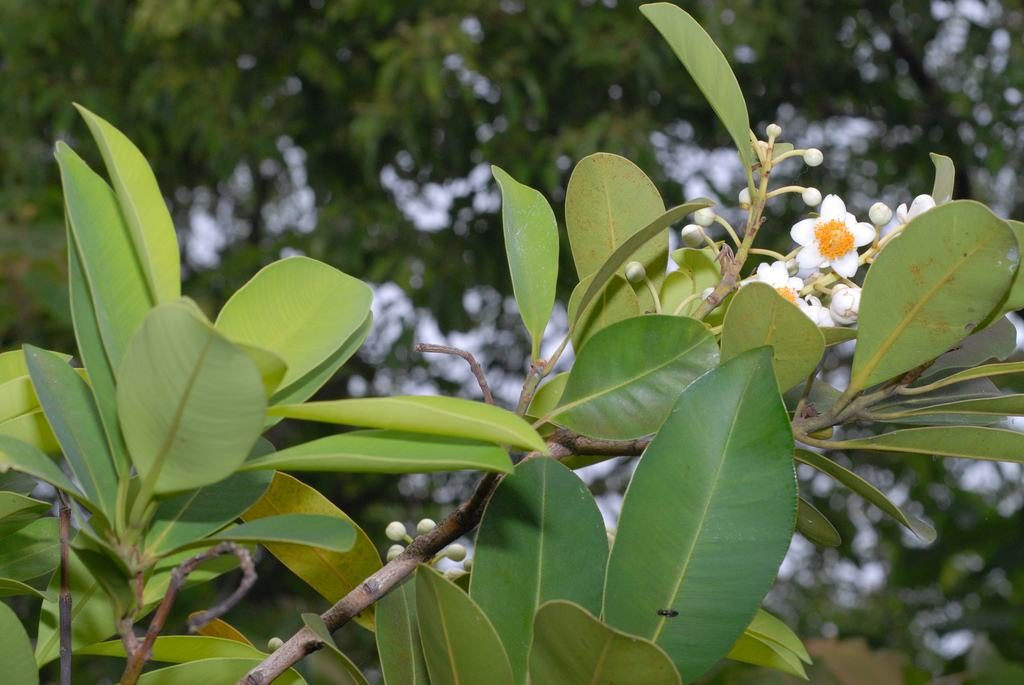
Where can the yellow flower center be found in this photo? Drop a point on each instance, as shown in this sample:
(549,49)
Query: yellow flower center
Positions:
(834,238)
(787,293)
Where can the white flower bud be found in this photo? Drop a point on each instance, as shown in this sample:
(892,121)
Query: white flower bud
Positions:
(635,272)
(744,197)
(705,217)
(792,267)
(454,551)
(845,304)
(773,130)
(425,526)
(274,643)
(468,564)
(811,197)
(395,531)
(453,574)
(394,551)
(813,157)
(879,214)
(692,235)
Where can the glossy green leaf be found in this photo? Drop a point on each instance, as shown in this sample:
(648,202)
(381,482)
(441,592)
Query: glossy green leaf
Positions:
(212,671)
(868,491)
(625,253)
(984,371)
(143,208)
(71,411)
(220,628)
(30,551)
(571,647)
(17,397)
(970,442)
(351,673)
(310,530)
(760,316)
(698,271)
(28,459)
(460,644)
(332,574)
(708,68)
(446,416)
(13,588)
(13,504)
(627,377)
(771,629)
(835,334)
(300,309)
(382,451)
(1003,405)
(12,365)
(997,341)
(750,649)
(16,650)
(541,521)
(33,430)
(707,517)
(398,637)
(270,366)
(617,302)
(179,649)
(1015,295)
(547,396)
(116,281)
(930,287)
(192,515)
(531,243)
(945,174)
(814,526)
(191,403)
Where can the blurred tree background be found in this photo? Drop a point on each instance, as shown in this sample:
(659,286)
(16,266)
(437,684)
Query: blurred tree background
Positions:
(359,132)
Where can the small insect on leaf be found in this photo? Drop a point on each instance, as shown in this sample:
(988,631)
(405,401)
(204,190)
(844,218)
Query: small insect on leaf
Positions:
(670,613)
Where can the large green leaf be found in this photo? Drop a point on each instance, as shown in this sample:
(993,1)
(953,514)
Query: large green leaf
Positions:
(984,371)
(971,442)
(1003,405)
(33,430)
(300,309)
(618,301)
(179,649)
(71,411)
(709,69)
(571,647)
(212,671)
(751,649)
(540,522)
(997,341)
(930,287)
(17,397)
(332,574)
(350,673)
(771,629)
(13,504)
(28,459)
(16,650)
(531,243)
(142,206)
(116,281)
(627,377)
(309,530)
(945,174)
(760,316)
(30,551)
(447,416)
(12,365)
(382,451)
(191,403)
(707,517)
(867,491)
(398,637)
(1015,295)
(814,526)
(14,588)
(459,642)
(547,396)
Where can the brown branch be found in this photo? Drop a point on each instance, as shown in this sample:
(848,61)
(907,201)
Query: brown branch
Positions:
(564,443)
(474,365)
(140,655)
(64,600)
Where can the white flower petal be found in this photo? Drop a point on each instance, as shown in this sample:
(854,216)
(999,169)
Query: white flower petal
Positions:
(802,232)
(833,207)
(809,257)
(863,233)
(847,264)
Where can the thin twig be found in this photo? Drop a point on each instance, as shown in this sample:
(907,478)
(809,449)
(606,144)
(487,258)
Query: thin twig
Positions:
(137,659)
(474,365)
(64,600)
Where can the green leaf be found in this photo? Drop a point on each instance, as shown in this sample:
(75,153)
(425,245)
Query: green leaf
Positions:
(625,252)
(945,174)
(398,637)
(771,629)
(547,396)
(212,671)
(12,365)
(71,411)
(13,505)
(28,459)
(31,551)
(300,309)
(1015,295)
(997,340)
(930,287)
(750,649)
(194,514)
(14,588)
(191,403)
(970,442)
(531,243)
(616,302)
(460,644)
(707,517)
(814,526)
(868,491)
(17,398)
(571,647)
(352,674)
(541,538)
(332,574)
(698,270)
(31,429)
(760,316)
(143,208)
(16,650)
(179,649)
(985,371)
(1003,405)
(271,367)
(835,335)
(310,530)
(382,451)
(116,282)
(628,375)
(445,416)
(708,68)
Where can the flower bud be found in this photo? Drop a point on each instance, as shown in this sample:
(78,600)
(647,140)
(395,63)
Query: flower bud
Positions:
(394,551)
(692,235)
(813,157)
(425,526)
(705,217)
(468,564)
(811,197)
(845,304)
(792,267)
(395,531)
(744,197)
(773,131)
(635,272)
(454,551)
(880,214)
(274,643)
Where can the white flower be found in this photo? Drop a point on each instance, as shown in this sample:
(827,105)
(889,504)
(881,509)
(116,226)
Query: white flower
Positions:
(705,217)
(813,157)
(920,205)
(692,235)
(845,304)
(880,214)
(811,197)
(816,311)
(832,239)
(395,531)
(777,276)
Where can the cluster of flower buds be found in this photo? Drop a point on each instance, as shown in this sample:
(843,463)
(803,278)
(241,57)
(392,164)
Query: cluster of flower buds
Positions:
(396,532)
